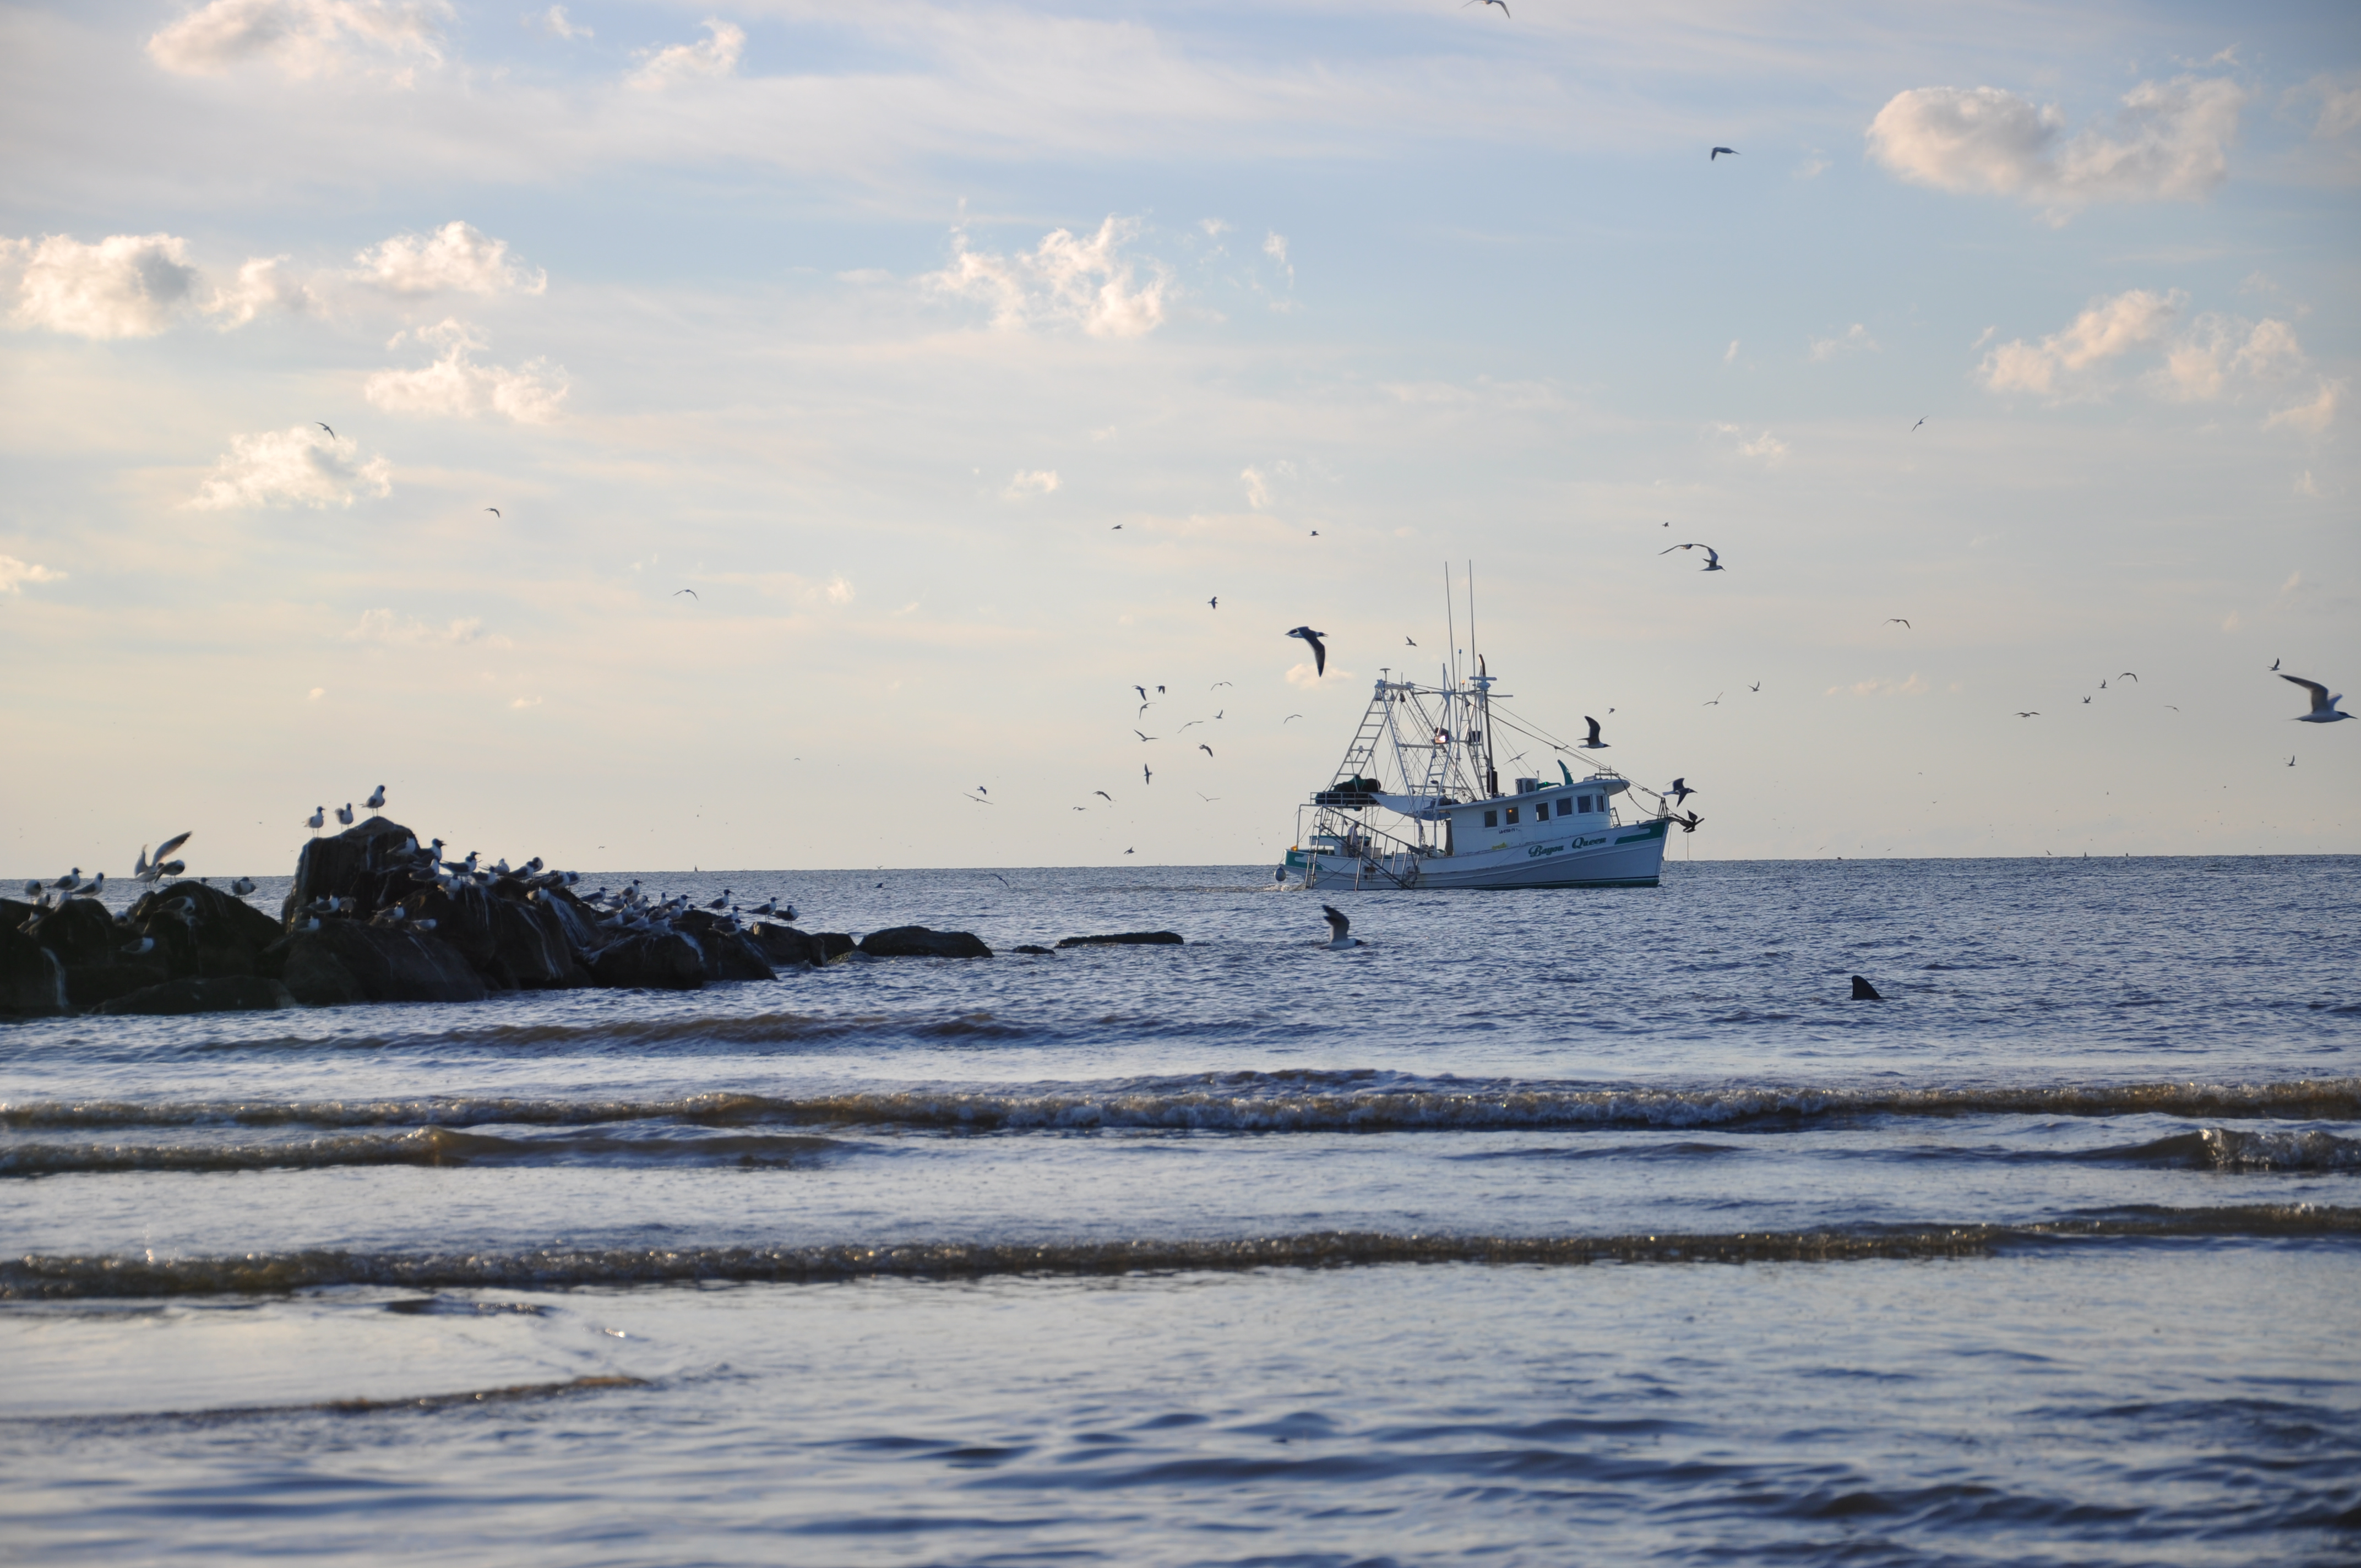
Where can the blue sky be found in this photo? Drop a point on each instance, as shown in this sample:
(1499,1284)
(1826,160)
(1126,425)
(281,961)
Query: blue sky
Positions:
(870,325)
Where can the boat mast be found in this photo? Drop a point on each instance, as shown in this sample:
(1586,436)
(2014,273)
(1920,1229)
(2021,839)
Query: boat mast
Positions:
(1483,690)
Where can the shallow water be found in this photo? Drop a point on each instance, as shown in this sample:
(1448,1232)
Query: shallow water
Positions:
(1590,1222)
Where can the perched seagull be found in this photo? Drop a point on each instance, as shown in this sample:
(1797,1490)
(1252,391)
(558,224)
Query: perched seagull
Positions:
(376,799)
(1680,792)
(144,945)
(2323,707)
(1339,923)
(1712,556)
(323,426)
(318,819)
(242,886)
(1897,620)
(344,814)
(1594,743)
(1207,749)
(92,889)
(1319,648)
(1716,152)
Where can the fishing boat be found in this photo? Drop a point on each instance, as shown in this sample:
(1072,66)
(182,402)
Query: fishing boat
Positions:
(1417,804)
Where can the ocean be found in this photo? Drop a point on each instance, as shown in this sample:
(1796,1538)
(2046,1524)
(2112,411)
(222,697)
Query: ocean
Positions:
(1544,1227)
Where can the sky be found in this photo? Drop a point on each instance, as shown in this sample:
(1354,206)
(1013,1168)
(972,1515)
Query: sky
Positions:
(375,375)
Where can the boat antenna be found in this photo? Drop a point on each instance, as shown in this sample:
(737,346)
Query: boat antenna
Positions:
(1449,625)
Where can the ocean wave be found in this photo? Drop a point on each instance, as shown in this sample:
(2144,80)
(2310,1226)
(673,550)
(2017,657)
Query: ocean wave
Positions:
(432,1145)
(2231,1149)
(507,1394)
(37,1277)
(1251,1101)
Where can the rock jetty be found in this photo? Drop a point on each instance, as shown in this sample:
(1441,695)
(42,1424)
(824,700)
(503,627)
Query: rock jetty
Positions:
(375,917)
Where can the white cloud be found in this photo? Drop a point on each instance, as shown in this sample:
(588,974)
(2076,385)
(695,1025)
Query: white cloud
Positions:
(16,573)
(301,38)
(2171,141)
(2314,416)
(1729,354)
(1086,283)
(454,257)
(2055,368)
(2305,485)
(384,626)
(1258,488)
(1215,228)
(840,591)
(527,701)
(558,25)
(1855,338)
(1812,167)
(1766,446)
(124,286)
(2200,365)
(1916,686)
(455,386)
(717,56)
(2340,105)
(260,285)
(297,467)
(1039,482)
(1274,245)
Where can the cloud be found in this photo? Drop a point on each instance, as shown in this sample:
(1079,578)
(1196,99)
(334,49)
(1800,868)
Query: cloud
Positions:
(1040,482)
(1916,686)
(297,467)
(455,386)
(16,573)
(1258,488)
(2170,142)
(1855,338)
(2108,328)
(717,56)
(124,286)
(2199,366)
(1729,354)
(1084,282)
(840,591)
(2340,105)
(558,25)
(302,37)
(527,701)
(1767,446)
(1274,245)
(2314,416)
(454,258)
(260,285)
(384,626)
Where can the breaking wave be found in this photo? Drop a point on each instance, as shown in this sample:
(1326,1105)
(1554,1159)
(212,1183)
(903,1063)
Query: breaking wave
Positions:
(430,1145)
(52,1277)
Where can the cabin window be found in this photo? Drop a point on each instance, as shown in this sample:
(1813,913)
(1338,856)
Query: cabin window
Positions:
(1585,803)
(1491,819)
(1564,806)
(1513,816)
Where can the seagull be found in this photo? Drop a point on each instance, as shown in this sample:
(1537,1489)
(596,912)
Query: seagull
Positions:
(1159,691)
(1502,4)
(1217,686)
(376,799)
(690,592)
(1290,716)
(1142,690)
(144,945)
(318,819)
(242,886)
(2290,761)
(1922,421)
(1716,152)
(2086,699)
(1594,743)
(1145,776)
(2275,663)
(1200,795)
(1339,923)
(2323,707)
(1131,851)
(1714,702)
(1680,792)
(1712,556)
(1410,641)
(1207,749)
(344,814)
(1755,688)
(2127,676)
(323,426)
(1103,796)
(1143,735)
(1319,648)
(92,889)
(2033,713)
(1215,603)
(494,511)
(1690,823)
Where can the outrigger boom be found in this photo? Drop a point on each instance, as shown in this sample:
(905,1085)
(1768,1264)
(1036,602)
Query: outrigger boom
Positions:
(1424,754)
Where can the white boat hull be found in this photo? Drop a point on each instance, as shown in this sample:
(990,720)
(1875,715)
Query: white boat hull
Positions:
(1631,855)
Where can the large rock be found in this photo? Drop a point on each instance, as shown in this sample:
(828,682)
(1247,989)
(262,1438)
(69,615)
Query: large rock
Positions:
(14,913)
(363,863)
(229,994)
(1125,939)
(89,985)
(31,978)
(345,960)
(513,944)
(729,954)
(650,961)
(785,945)
(833,945)
(217,935)
(81,932)
(918,942)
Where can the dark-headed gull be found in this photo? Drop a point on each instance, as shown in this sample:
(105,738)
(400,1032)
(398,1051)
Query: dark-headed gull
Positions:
(2323,705)
(1339,924)
(1319,648)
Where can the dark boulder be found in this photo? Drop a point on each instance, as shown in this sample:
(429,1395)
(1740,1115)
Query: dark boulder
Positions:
(345,960)
(833,945)
(575,919)
(785,945)
(1125,939)
(365,863)
(226,994)
(664,960)
(16,912)
(918,942)
(203,931)
(90,985)
(729,954)
(512,944)
(31,978)
(81,932)
(1029,948)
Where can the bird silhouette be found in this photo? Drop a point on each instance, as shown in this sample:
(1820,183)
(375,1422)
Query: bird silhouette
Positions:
(494,511)
(1712,556)
(1215,603)
(1897,620)
(1319,648)
(1502,4)
(1716,152)
(2323,707)
(1922,421)
(323,426)
(1594,743)
(690,592)
(1207,749)
(2029,713)
(1103,796)
(1145,775)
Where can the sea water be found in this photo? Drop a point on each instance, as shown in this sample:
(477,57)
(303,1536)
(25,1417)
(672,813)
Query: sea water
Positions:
(1544,1227)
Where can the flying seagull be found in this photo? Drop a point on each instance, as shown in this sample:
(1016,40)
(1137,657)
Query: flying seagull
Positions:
(1755,688)
(494,511)
(1716,152)
(1217,686)
(323,426)
(690,592)
(1410,641)
(1207,749)
(1339,923)
(1290,716)
(1714,702)
(1319,648)
(1159,691)
(1103,796)
(2323,707)
(1680,792)
(2127,676)
(1712,556)
(1213,603)
(2275,663)
(1143,735)
(1897,620)
(1594,743)
(1146,776)
(1922,420)
(2029,713)
(1142,690)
